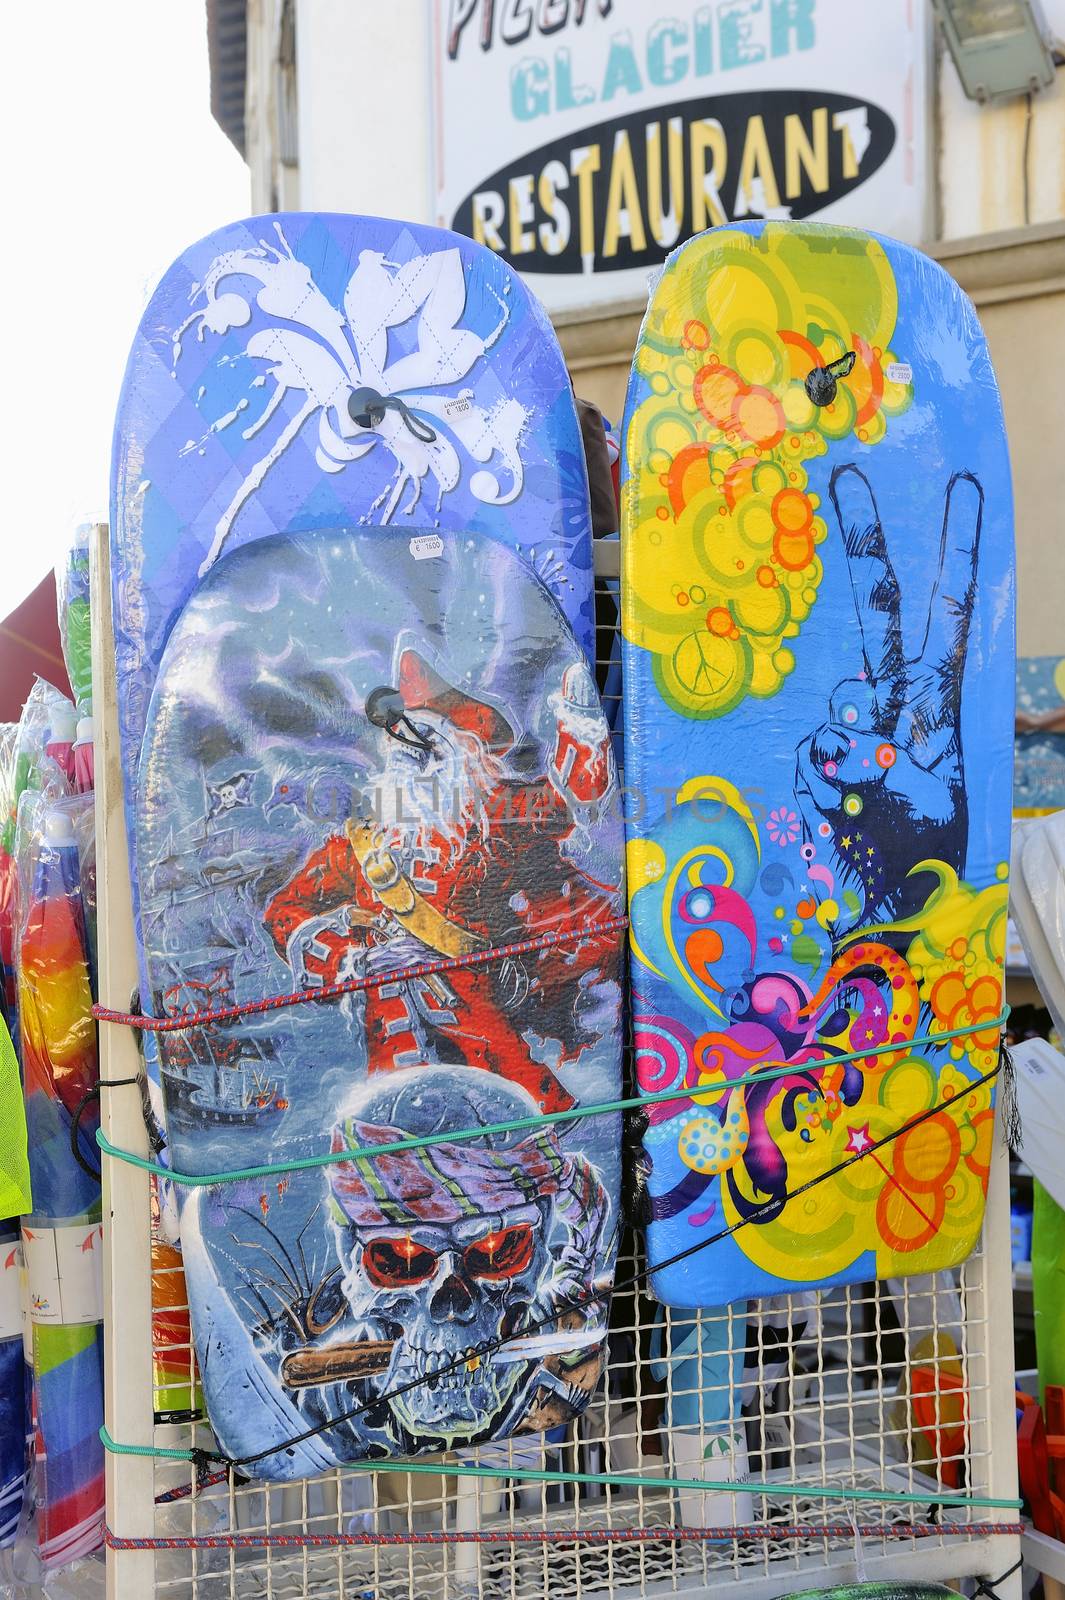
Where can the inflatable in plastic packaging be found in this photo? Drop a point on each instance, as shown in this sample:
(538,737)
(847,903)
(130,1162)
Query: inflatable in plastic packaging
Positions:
(14,1387)
(1037,905)
(75,625)
(61,1236)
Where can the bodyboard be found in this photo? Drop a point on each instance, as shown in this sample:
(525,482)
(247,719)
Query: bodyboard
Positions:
(818,624)
(312,370)
(370,754)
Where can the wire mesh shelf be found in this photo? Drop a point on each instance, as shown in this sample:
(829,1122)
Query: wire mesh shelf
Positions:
(824,1401)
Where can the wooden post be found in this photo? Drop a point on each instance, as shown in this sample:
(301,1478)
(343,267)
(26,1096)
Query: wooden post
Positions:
(128,1374)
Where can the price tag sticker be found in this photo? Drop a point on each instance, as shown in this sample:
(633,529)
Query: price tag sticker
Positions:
(64,1267)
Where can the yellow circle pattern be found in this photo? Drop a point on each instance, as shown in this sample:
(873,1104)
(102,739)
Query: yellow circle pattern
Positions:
(722,530)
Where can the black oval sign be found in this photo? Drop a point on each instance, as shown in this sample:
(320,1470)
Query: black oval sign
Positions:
(625,192)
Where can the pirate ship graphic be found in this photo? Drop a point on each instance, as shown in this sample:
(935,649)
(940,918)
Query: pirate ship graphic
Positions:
(212,1073)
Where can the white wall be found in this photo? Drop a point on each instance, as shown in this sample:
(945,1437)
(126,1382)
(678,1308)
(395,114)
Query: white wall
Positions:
(365,133)
(365,128)
(259,112)
(981,170)
(363,125)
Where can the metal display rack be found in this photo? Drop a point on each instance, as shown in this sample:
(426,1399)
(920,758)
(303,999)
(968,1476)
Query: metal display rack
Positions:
(827,1405)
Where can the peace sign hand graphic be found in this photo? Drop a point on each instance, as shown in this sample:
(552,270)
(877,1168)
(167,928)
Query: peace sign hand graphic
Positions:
(882,779)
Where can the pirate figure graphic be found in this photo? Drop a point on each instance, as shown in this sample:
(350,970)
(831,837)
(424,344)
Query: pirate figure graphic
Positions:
(465,854)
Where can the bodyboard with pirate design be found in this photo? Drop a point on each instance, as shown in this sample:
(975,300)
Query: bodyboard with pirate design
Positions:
(818,624)
(312,370)
(377,759)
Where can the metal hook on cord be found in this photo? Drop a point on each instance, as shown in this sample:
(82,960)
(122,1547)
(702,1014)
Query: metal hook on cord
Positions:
(821,382)
(367,408)
(385,709)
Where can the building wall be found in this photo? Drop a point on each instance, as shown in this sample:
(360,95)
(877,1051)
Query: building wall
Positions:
(1017,282)
(1001,205)
(363,124)
(275,181)
(984,169)
(364,144)
(1001,208)
(259,115)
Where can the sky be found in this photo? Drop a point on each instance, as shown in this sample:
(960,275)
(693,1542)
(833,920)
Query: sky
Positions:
(112,165)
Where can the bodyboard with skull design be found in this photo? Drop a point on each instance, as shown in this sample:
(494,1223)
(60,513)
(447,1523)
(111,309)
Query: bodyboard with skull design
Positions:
(379,758)
(312,370)
(818,655)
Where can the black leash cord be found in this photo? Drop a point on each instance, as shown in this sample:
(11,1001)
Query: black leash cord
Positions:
(988,1586)
(79,1111)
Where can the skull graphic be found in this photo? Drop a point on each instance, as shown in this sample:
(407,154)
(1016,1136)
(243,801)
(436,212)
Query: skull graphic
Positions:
(452,1246)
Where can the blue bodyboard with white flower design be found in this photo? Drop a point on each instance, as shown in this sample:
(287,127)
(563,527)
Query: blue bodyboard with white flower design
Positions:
(307,370)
